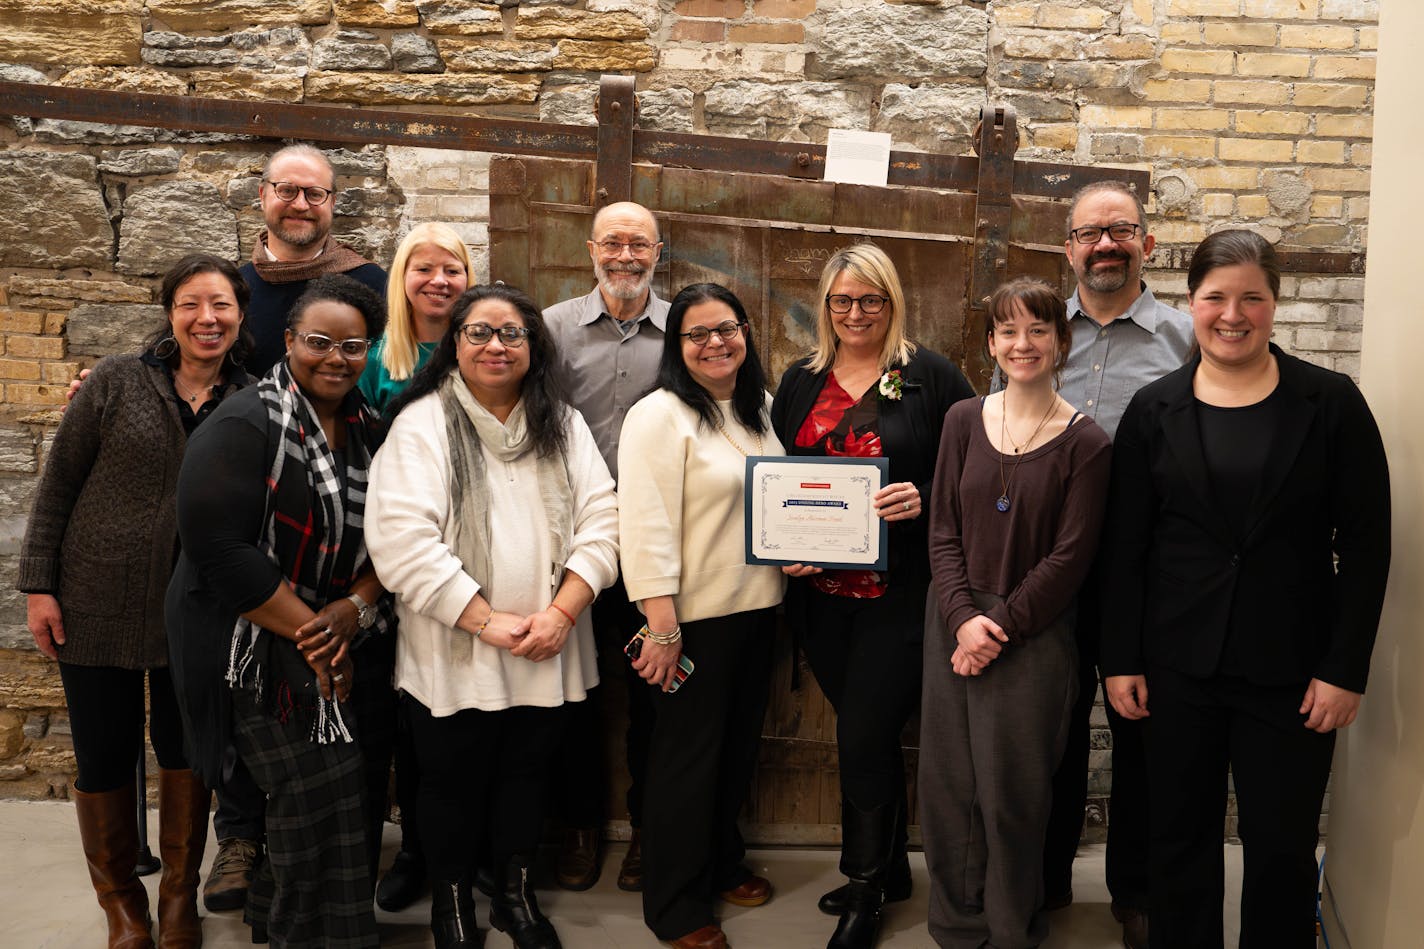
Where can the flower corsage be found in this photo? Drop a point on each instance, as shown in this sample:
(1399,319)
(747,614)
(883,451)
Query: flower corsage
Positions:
(892,386)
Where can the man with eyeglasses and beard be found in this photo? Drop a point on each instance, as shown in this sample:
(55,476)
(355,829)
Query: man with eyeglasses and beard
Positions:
(297,196)
(609,343)
(1123,338)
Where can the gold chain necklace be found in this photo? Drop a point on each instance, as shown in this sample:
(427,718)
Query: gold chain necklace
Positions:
(1001,503)
(191,396)
(731,441)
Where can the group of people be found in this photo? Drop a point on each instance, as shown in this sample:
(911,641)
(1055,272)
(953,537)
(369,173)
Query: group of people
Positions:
(329,531)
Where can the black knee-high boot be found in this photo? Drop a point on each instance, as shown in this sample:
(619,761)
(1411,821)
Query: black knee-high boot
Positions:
(866,854)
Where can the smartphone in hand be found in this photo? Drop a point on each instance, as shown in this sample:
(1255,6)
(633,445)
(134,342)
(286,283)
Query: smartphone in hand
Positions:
(634,649)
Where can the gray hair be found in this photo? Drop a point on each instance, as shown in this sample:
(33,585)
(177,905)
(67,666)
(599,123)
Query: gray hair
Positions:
(1113,185)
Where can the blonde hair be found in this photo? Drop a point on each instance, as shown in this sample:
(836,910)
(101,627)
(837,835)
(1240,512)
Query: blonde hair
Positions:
(870,265)
(400,350)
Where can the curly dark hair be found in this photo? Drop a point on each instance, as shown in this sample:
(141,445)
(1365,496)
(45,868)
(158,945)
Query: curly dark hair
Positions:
(340,288)
(545,402)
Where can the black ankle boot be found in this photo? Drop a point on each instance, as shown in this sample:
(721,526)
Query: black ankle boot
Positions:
(515,911)
(403,882)
(867,841)
(452,916)
(899,886)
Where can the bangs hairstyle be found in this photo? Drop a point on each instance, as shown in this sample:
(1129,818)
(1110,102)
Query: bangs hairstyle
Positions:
(546,405)
(1230,248)
(870,265)
(339,288)
(1112,186)
(180,273)
(1041,301)
(401,351)
(749,390)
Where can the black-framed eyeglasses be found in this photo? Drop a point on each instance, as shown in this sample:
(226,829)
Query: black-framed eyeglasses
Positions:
(319,345)
(288,192)
(636,248)
(699,335)
(870,304)
(1092,233)
(477,334)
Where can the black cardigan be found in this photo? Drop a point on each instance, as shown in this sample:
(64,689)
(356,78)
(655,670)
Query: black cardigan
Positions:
(909,435)
(1176,578)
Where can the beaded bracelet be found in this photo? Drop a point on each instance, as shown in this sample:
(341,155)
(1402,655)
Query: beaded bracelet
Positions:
(485,625)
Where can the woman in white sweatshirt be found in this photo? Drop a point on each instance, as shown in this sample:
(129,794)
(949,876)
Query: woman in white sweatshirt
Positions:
(681,459)
(492,518)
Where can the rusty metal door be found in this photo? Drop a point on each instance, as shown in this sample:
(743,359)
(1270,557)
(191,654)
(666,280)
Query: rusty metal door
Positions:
(766,237)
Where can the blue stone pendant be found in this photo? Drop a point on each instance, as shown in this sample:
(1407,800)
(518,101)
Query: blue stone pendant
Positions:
(1003,503)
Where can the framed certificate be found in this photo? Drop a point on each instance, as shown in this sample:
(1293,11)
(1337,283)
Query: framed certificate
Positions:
(816,511)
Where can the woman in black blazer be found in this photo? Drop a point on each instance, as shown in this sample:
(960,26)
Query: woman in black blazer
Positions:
(1247,545)
(868,391)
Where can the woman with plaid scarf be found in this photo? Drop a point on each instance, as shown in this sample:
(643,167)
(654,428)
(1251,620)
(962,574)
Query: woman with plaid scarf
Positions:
(286,634)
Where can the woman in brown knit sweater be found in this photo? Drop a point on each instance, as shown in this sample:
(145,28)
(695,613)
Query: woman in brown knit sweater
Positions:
(97,556)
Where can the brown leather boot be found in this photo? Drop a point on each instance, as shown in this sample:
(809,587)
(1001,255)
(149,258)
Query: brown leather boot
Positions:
(183,803)
(109,830)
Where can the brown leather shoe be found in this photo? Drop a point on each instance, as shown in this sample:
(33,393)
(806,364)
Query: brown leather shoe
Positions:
(579,865)
(183,803)
(230,874)
(630,872)
(1134,926)
(708,937)
(753,892)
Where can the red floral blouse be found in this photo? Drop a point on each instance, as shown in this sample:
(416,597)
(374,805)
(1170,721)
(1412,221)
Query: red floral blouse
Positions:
(842,427)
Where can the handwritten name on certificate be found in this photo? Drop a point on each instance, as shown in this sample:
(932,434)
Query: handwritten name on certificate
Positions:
(815,511)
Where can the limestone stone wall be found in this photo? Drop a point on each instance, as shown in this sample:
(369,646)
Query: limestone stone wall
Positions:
(1248,112)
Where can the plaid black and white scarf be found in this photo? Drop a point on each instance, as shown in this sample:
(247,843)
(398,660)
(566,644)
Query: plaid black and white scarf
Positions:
(312,531)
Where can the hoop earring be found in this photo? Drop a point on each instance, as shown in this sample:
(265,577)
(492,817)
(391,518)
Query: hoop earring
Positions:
(166,347)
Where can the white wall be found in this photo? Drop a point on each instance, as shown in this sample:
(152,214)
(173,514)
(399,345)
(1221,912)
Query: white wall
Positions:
(1374,867)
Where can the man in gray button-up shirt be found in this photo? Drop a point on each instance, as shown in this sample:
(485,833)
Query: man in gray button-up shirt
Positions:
(609,343)
(1122,340)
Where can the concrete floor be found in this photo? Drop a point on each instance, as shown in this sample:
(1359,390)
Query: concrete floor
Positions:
(49,902)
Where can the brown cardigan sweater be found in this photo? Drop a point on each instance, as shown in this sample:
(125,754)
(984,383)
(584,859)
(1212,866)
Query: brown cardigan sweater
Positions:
(102,535)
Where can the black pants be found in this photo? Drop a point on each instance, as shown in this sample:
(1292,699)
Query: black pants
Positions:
(1127,805)
(106,722)
(700,766)
(582,771)
(484,783)
(868,659)
(1198,728)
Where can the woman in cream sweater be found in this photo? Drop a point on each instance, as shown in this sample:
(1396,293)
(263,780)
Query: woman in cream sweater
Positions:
(682,457)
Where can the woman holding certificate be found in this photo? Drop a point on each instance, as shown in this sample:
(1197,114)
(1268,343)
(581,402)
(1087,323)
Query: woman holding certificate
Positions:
(868,391)
(1019,494)
(707,644)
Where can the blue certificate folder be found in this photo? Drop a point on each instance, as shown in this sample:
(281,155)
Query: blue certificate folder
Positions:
(794,516)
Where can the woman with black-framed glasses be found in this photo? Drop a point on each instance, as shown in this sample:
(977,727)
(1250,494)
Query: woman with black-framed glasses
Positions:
(681,461)
(868,391)
(282,636)
(492,518)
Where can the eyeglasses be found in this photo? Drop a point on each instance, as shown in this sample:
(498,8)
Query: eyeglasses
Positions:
(699,335)
(870,304)
(319,345)
(480,333)
(636,248)
(288,192)
(1093,233)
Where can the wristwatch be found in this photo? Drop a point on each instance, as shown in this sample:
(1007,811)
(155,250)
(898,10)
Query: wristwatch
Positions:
(365,613)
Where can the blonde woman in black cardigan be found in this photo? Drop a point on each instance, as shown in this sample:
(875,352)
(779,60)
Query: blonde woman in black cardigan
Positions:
(96,561)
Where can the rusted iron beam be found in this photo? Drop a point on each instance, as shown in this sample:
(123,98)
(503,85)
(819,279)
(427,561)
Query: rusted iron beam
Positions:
(993,212)
(360,126)
(613,172)
(314,122)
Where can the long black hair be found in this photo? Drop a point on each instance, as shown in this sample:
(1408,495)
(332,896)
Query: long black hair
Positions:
(545,402)
(748,392)
(180,273)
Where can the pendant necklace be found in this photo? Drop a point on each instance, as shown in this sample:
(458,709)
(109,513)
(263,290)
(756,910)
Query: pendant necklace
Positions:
(1001,504)
(187,393)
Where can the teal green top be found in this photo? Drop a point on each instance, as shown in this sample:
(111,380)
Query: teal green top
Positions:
(378,387)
